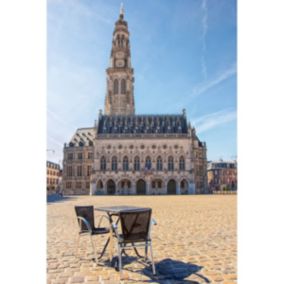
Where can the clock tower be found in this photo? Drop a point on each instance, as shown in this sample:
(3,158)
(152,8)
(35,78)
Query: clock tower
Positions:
(119,97)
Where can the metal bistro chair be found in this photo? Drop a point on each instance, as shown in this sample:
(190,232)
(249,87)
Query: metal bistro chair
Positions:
(86,221)
(135,232)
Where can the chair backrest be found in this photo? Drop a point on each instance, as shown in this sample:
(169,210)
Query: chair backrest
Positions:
(86,212)
(135,225)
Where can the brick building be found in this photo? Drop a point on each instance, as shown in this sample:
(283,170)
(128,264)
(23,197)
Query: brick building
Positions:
(222,175)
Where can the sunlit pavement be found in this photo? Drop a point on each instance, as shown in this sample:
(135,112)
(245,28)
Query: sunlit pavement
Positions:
(194,241)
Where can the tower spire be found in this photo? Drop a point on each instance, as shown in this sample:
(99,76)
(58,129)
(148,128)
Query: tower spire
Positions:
(120,75)
(121,11)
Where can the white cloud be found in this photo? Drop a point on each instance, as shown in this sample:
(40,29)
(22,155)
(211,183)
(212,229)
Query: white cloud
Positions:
(213,120)
(205,86)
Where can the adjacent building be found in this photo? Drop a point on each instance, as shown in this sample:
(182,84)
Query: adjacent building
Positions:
(78,162)
(53,176)
(222,175)
(129,153)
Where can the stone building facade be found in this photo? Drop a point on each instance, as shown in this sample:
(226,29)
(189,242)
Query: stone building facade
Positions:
(134,154)
(78,162)
(222,175)
(53,174)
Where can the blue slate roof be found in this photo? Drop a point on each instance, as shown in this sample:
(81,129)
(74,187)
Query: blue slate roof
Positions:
(142,124)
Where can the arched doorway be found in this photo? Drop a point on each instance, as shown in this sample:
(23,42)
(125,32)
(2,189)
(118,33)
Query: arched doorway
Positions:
(141,187)
(184,186)
(171,188)
(124,186)
(156,186)
(110,187)
(100,187)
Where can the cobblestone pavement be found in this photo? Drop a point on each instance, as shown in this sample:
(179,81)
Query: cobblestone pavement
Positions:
(195,235)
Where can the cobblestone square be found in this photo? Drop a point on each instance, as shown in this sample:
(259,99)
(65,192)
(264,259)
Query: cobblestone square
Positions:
(196,235)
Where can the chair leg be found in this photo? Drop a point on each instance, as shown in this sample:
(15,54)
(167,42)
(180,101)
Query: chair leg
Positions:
(146,251)
(94,249)
(152,259)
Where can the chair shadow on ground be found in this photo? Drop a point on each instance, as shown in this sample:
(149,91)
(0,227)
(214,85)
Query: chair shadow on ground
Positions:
(52,198)
(167,270)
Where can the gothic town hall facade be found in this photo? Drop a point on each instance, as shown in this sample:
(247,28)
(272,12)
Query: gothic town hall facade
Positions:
(128,153)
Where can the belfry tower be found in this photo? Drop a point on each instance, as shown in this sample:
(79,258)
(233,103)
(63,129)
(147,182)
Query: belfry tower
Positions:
(119,97)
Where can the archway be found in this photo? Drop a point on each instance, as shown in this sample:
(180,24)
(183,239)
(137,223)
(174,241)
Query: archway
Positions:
(184,186)
(100,187)
(141,187)
(110,187)
(156,186)
(124,186)
(171,188)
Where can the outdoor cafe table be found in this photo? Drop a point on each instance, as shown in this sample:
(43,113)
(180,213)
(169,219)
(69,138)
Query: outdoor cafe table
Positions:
(115,211)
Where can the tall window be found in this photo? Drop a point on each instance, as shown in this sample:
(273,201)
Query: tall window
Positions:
(115,86)
(123,86)
(170,163)
(103,163)
(70,156)
(137,164)
(69,171)
(89,168)
(148,163)
(114,163)
(125,164)
(79,171)
(181,163)
(159,164)
(90,155)
(80,156)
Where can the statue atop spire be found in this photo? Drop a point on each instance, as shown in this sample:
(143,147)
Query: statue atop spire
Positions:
(121,11)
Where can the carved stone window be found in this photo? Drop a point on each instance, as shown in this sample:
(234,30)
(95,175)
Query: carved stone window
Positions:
(114,163)
(103,164)
(68,184)
(79,171)
(123,86)
(115,86)
(148,163)
(181,163)
(159,164)
(89,169)
(70,156)
(125,165)
(170,163)
(69,171)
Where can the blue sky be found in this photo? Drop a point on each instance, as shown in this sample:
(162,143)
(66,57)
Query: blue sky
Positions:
(183,54)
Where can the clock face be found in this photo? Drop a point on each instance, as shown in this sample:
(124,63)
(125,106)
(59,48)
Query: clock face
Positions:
(120,54)
(119,63)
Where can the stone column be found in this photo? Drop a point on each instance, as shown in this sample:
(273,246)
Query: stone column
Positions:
(92,188)
(147,187)
(178,187)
